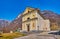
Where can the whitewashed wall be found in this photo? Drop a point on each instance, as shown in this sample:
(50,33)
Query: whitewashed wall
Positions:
(42,23)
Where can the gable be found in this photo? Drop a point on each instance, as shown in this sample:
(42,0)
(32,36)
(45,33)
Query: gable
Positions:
(27,10)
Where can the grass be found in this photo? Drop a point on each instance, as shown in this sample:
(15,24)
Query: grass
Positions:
(11,35)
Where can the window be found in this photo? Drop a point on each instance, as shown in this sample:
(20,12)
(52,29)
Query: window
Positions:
(28,11)
(28,18)
(38,28)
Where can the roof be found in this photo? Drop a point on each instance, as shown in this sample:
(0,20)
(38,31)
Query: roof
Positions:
(40,13)
(33,9)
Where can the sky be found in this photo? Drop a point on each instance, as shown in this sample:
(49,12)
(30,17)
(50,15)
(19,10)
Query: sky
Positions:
(9,9)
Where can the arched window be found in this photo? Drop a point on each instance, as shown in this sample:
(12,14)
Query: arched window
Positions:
(28,18)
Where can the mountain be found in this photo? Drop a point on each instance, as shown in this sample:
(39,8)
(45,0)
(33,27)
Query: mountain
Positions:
(51,15)
(3,23)
(16,23)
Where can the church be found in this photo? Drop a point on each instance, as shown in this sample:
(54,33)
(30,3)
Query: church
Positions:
(33,20)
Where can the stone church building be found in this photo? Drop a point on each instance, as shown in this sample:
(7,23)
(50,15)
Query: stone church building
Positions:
(33,20)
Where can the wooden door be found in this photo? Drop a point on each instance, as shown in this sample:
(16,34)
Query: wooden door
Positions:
(28,28)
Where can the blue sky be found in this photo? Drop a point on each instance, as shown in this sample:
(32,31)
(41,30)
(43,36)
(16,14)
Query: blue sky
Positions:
(9,9)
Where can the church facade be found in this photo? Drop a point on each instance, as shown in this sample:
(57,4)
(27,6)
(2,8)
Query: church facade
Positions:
(33,20)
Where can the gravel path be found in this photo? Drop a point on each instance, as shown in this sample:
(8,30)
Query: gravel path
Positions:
(38,36)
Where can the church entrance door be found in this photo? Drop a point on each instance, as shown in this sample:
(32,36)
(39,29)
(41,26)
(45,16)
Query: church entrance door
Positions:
(28,27)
